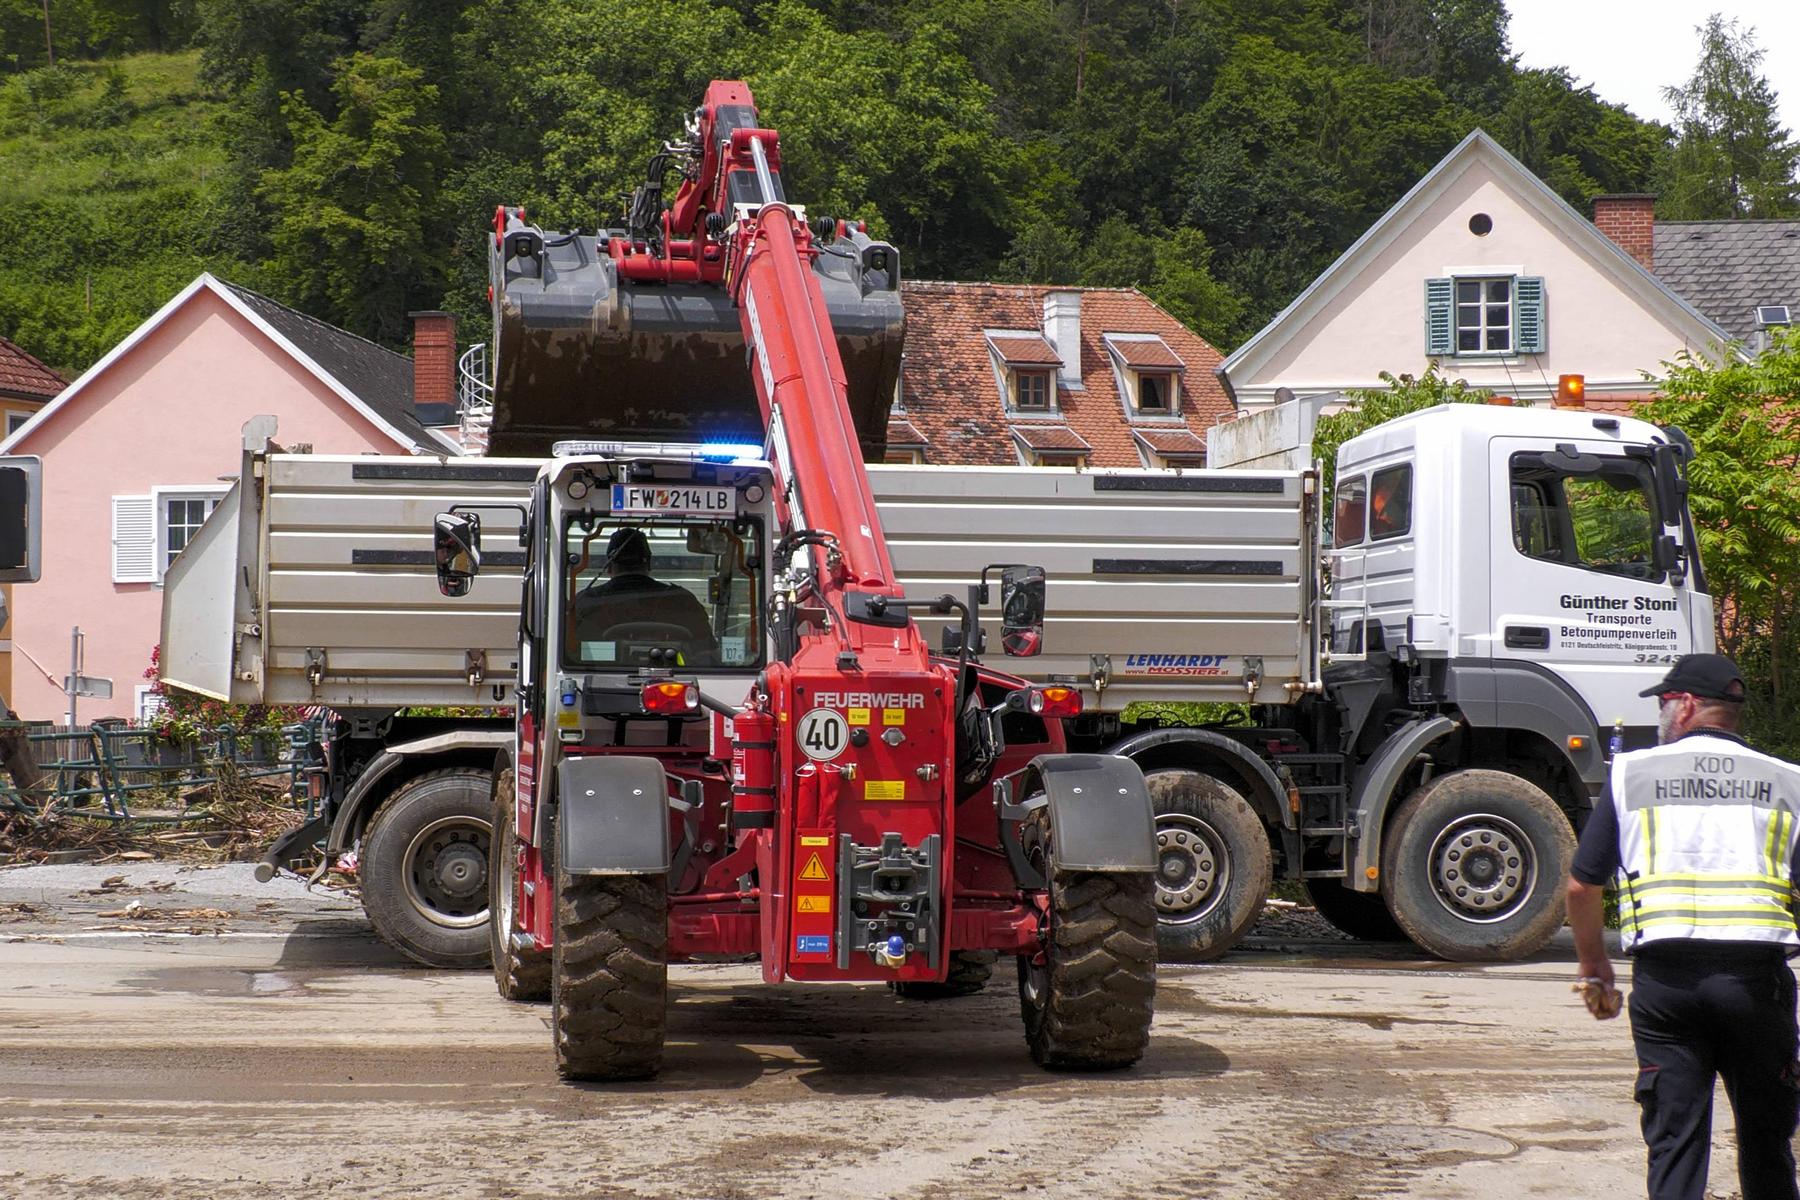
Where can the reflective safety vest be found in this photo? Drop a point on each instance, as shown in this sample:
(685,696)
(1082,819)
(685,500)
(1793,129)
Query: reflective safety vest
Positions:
(1707,830)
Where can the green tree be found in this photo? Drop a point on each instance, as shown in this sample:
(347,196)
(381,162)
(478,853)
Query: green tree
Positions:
(1744,491)
(355,213)
(1732,158)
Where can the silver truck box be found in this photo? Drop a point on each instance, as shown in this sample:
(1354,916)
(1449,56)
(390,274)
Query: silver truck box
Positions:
(316,585)
(1163,585)
(313,584)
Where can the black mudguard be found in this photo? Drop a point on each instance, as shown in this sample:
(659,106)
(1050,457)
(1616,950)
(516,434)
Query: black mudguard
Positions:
(1099,811)
(614,816)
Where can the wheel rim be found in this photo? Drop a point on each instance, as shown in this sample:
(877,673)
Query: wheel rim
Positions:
(446,871)
(1192,868)
(506,888)
(1483,868)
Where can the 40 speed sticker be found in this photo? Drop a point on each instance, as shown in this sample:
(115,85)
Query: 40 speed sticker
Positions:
(823,734)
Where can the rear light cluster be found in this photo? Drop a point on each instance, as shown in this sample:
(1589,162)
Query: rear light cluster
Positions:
(671,699)
(1056,701)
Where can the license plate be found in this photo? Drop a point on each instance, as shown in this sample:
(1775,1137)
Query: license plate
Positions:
(678,501)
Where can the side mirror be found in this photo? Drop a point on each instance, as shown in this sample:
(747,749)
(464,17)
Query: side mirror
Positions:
(21,505)
(1671,488)
(1022,611)
(1665,555)
(456,540)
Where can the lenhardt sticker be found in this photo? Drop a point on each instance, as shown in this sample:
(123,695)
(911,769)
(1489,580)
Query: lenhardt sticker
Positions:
(1176,664)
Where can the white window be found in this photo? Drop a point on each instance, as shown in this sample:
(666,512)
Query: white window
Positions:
(1484,315)
(146,704)
(149,531)
(1156,393)
(15,421)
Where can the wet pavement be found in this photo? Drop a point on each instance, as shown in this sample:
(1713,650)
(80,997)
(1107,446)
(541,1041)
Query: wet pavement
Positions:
(258,1041)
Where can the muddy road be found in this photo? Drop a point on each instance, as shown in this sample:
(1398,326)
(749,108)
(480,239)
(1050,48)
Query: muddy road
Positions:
(262,1044)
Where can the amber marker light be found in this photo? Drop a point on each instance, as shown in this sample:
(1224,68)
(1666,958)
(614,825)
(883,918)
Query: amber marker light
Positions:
(1571,391)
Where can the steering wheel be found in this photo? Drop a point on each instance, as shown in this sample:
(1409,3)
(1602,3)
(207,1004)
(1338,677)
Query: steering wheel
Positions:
(643,631)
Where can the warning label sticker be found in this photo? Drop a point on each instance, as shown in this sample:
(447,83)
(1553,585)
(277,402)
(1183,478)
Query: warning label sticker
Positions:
(812,839)
(812,904)
(858,716)
(884,789)
(893,716)
(812,943)
(815,868)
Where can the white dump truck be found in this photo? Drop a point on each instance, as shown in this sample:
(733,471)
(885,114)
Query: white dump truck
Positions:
(1412,719)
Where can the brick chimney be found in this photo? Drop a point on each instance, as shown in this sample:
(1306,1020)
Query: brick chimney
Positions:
(1630,220)
(434,367)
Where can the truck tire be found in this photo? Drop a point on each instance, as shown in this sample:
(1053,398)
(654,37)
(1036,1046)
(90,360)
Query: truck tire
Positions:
(520,975)
(970,971)
(609,1004)
(1214,865)
(1473,866)
(424,868)
(1361,915)
(1088,994)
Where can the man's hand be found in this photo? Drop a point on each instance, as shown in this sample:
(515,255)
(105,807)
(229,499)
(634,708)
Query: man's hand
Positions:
(1587,920)
(1603,1000)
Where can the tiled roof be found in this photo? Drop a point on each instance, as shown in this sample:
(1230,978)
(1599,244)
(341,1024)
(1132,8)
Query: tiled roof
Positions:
(1051,437)
(1146,355)
(24,377)
(1026,351)
(1726,268)
(1172,443)
(903,434)
(378,377)
(948,378)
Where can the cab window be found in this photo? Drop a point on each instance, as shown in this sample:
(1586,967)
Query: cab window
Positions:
(1390,502)
(1601,519)
(663,592)
(1350,514)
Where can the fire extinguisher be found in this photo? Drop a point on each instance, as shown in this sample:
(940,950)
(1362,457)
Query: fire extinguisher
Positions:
(753,770)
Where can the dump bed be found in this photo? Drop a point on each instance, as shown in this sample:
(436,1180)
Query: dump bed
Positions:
(314,583)
(1163,585)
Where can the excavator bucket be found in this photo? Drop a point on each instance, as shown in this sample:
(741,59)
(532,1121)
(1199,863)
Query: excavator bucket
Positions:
(581,352)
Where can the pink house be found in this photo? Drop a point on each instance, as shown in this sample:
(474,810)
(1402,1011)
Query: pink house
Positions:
(138,450)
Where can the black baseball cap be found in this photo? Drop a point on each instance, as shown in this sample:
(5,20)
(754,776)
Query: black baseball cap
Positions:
(1708,676)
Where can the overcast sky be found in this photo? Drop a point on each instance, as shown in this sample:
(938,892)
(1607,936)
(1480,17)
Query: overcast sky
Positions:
(1629,50)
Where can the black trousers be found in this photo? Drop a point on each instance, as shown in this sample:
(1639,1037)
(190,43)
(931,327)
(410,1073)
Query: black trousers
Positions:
(1697,1010)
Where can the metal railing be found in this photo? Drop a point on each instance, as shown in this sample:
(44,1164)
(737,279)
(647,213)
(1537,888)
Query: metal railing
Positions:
(116,772)
(474,398)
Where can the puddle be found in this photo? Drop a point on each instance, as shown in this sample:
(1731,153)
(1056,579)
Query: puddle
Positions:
(221,981)
(1414,1143)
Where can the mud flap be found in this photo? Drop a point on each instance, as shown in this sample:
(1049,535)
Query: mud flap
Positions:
(1099,808)
(614,817)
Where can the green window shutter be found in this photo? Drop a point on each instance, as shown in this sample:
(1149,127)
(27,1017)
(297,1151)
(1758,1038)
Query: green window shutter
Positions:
(1528,314)
(1440,323)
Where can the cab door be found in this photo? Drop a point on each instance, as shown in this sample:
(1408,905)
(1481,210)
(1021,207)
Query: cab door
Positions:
(1578,586)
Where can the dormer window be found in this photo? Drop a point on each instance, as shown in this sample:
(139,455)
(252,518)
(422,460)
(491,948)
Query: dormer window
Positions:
(1025,365)
(1031,390)
(1148,374)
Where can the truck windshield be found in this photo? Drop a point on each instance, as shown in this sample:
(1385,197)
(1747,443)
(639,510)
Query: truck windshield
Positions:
(666,591)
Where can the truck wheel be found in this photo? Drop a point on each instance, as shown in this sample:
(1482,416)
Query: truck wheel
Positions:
(1473,866)
(1213,865)
(970,971)
(521,975)
(1362,915)
(424,868)
(610,975)
(1088,993)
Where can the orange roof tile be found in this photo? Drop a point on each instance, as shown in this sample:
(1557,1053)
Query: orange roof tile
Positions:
(1050,437)
(25,377)
(951,394)
(1172,443)
(903,433)
(1027,351)
(1146,355)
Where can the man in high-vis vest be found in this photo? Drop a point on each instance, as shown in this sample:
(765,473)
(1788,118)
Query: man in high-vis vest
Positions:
(1701,833)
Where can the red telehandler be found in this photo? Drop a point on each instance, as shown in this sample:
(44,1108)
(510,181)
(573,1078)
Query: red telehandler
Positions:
(870,810)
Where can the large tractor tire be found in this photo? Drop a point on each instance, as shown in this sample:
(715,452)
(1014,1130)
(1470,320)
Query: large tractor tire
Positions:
(1361,915)
(520,975)
(424,868)
(1089,993)
(969,972)
(1473,865)
(609,1001)
(1213,865)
